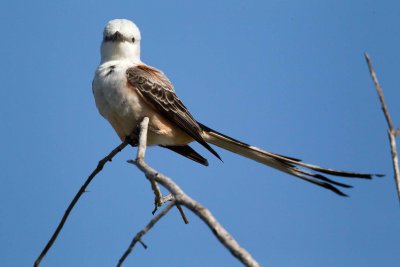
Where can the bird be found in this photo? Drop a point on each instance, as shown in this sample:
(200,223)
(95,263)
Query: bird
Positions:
(126,90)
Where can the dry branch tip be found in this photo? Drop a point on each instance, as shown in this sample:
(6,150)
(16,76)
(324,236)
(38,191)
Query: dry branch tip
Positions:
(392,133)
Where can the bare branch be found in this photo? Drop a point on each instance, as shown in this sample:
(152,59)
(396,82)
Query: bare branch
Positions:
(99,167)
(159,199)
(177,198)
(392,132)
(139,235)
(181,198)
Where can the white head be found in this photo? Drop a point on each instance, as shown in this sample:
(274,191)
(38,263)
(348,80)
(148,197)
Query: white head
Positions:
(121,40)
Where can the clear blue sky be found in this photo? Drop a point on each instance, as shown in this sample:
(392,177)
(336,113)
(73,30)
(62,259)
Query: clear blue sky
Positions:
(287,76)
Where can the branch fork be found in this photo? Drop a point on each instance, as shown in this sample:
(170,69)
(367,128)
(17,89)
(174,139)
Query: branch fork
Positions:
(181,199)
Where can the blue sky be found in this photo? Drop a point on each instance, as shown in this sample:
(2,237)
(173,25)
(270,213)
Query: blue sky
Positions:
(287,76)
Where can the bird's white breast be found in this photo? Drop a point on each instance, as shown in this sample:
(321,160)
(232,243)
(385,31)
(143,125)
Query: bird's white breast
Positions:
(116,102)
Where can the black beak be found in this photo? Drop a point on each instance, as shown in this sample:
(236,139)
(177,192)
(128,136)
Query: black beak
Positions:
(116,37)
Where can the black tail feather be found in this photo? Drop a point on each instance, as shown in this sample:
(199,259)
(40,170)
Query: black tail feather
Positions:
(189,153)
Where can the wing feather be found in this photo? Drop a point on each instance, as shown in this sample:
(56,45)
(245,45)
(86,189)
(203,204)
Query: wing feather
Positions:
(155,87)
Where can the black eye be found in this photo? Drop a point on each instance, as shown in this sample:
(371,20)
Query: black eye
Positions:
(133,39)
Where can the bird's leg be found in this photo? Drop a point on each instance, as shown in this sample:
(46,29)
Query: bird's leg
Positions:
(132,140)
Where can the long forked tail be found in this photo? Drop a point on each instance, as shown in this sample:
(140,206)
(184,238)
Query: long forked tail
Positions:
(289,165)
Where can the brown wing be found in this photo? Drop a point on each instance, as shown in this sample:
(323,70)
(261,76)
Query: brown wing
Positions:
(155,87)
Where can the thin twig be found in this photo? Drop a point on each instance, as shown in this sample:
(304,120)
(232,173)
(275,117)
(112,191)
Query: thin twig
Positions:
(392,132)
(99,167)
(379,91)
(185,219)
(159,199)
(181,198)
(139,235)
(157,195)
(143,244)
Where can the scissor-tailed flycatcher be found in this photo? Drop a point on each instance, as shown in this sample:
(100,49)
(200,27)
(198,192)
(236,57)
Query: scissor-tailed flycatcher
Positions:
(126,90)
